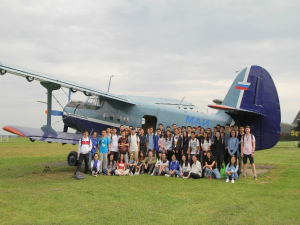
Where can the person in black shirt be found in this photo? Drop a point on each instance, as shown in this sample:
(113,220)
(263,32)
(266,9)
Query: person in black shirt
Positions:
(219,150)
(210,167)
(143,142)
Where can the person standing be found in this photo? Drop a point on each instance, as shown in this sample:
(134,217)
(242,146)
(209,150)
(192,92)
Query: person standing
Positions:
(94,141)
(177,144)
(248,149)
(194,147)
(104,148)
(150,140)
(219,150)
(240,159)
(123,145)
(233,144)
(84,147)
(143,142)
(114,148)
(226,138)
(168,144)
(134,144)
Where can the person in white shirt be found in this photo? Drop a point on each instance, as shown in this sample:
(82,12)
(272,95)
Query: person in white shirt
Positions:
(134,144)
(84,147)
(114,148)
(196,171)
(194,147)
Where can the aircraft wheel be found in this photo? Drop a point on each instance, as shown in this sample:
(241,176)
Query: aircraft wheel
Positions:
(72,158)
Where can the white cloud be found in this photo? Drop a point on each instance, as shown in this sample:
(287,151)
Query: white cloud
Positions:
(178,49)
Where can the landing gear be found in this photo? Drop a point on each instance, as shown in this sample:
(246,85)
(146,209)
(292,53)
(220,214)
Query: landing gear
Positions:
(72,158)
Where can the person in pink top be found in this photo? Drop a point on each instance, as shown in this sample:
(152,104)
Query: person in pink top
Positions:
(248,149)
(121,167)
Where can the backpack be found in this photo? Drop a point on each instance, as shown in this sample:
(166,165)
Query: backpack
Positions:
(78,176)
(244,138)
(223,171)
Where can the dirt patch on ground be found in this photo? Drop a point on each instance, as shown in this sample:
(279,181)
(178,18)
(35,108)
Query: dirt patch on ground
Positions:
(260,169)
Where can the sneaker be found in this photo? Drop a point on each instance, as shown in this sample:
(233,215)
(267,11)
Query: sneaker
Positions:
(93,173)
(152,174)
(244,176)
(232,181)
(136,173)
(255,177)
(227,180)
(184,177)
(209,177)
(167,175)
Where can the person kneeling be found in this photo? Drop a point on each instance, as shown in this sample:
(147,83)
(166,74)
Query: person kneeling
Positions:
(111,166)
(121,165)
(95,165)
(174,167)
(164,167)
(231,170)
(131,165)
(210,167)
(184,167)
(196,171)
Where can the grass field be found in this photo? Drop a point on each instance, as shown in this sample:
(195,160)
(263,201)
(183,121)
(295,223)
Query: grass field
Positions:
(28,196)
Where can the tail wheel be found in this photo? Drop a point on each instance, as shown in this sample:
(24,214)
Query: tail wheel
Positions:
(72,158)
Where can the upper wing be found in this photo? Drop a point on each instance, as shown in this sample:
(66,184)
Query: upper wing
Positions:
(32,75)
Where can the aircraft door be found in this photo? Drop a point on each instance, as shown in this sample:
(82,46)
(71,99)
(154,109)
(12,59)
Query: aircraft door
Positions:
(149,121)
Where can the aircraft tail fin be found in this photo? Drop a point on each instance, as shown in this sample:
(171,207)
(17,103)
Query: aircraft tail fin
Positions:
(297,118)
(253,100)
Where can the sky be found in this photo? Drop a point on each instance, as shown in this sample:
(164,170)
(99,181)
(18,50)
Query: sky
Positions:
(171,49)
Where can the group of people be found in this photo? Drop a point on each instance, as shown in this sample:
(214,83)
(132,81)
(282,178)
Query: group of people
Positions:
(187,152)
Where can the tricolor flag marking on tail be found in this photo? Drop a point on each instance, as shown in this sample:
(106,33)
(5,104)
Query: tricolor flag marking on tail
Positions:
(243,86)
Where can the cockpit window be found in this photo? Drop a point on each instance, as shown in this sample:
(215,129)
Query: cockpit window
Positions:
(93,102)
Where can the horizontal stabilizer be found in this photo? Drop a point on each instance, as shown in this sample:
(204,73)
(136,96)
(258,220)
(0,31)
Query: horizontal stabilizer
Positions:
(234,110)
(41,135)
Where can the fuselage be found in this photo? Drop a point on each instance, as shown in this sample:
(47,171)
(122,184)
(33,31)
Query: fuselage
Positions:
(290,132)
(97,114)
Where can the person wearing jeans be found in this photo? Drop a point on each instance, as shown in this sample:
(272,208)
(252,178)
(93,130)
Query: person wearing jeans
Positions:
(231,170)
(210,167)
(104,148)
(174,167)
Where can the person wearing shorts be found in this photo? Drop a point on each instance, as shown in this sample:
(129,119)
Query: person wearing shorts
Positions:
(248,149)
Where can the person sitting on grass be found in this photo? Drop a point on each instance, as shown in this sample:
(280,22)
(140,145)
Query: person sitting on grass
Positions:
(231,170)
(111,166)
(174,166)
(158,162)
(150,162)
(95,166)
(140,166)
(185,167)
(164,166)
(121,167)
(131,165)
(196,171)
(210,167)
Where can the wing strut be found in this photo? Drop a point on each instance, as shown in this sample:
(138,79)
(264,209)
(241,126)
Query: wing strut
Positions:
(50,87)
